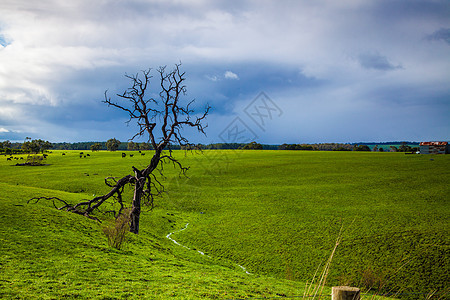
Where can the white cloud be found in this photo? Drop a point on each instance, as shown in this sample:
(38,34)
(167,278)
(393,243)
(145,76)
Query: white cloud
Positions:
(3,129)
(212,77)
(9,113)
(230,75)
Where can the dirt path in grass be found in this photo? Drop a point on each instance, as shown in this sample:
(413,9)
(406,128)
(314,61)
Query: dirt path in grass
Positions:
(200,252)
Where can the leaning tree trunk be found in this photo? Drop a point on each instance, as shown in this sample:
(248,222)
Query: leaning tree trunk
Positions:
(136,206)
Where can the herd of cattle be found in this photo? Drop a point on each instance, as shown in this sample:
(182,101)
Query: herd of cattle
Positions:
(131,155)
(11,158)
(82,155)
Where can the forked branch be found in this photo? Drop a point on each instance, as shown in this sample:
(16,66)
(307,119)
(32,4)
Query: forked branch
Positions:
(160,121)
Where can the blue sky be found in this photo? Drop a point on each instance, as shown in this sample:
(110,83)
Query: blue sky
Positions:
(273,71)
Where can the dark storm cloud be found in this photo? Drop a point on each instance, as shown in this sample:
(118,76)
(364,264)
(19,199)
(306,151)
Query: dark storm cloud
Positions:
(377,62)
(210,85)
(11,136)
(442,34)
(397,10)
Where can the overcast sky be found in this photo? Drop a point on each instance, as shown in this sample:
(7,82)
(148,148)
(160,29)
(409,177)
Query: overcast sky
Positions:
(273,71)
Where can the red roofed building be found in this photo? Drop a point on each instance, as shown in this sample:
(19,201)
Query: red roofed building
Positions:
(434,148)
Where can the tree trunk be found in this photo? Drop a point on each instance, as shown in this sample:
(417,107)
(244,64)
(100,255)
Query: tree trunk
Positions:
(136,206)
(135,211)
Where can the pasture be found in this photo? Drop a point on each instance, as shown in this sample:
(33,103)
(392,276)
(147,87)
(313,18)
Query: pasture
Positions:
(276,213)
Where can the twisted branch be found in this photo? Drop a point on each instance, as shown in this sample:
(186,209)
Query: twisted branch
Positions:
(146,111)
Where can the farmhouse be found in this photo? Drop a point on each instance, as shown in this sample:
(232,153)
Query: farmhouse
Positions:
(434,148)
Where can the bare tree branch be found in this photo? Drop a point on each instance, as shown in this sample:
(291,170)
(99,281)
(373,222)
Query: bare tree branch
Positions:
(170,116)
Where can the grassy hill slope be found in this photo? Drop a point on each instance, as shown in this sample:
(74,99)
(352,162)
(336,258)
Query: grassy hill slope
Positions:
(277,213)
(49,254)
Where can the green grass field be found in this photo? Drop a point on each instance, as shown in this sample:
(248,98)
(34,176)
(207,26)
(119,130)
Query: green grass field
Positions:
(277,213)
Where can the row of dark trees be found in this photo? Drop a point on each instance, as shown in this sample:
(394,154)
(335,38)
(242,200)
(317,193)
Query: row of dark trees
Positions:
(115,145)
(404,147)
(321,147)
(36,146)
(5,144)
(253,146)
(29,146)
(6,147)
(111,145)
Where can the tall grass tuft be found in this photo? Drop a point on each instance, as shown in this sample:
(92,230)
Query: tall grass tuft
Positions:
(315,288)
(117,231)
(371,279)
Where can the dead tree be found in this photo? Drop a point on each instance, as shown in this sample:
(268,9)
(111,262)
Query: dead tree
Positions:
(160,120)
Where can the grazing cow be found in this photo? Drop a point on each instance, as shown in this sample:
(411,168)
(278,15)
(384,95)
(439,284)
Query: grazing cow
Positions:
(63,154)
(21,158)
(88,154)
(9,158)
(123,155)
(142,154)
(81,153)
(131,155)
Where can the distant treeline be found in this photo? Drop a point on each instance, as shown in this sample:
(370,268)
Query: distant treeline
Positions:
(123,146)
(376,147)
(137,146)
(85,146)
(29,146)
(318,147)
(237,146)
(390,143)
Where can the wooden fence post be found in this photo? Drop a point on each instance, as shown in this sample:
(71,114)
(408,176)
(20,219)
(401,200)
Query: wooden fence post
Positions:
(345,293)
